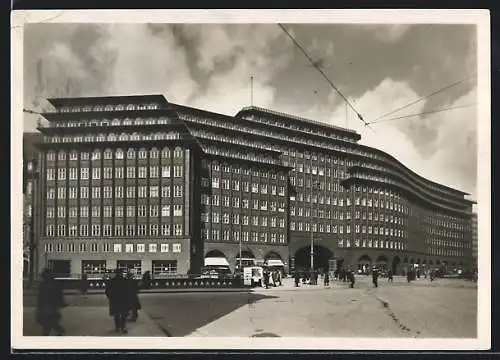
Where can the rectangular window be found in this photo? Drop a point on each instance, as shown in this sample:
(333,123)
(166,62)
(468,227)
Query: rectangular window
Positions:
(178,191)
(165,171)
(177,171)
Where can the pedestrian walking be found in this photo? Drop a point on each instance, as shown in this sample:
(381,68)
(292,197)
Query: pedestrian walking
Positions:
(146,280)
(390,277)
(274,276)
(84,284)
(279,278)
(297,278)
(326,279)
(352,278)
(375,275)
(135,305)
(50,300)
(266,278)
(120,299)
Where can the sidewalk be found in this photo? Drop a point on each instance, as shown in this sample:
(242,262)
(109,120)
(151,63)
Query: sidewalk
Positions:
(33,292)
(91,321)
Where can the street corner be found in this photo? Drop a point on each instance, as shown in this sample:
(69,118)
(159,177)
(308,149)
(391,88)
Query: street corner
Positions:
(92,321)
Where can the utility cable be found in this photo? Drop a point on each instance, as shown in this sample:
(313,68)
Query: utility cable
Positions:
(426,112)
(425,97)
(315,65)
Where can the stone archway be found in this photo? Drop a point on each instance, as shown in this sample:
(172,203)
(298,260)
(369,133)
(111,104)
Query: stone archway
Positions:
(395,263)
(322,256)
(364,263)
(272,255)
(247,259)
(382,260)
(215,254)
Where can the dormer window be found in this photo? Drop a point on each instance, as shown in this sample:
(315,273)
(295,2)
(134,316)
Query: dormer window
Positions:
(120,107)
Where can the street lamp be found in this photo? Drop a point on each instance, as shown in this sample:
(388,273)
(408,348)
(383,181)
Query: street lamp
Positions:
(314,186)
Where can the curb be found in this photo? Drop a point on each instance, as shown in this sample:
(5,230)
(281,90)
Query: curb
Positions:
(156,291)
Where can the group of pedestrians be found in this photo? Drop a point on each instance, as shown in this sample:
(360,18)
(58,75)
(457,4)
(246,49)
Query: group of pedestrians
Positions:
(122,292)
(272,277)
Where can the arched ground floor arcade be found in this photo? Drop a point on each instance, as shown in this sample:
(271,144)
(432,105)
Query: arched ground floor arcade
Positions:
(249,252)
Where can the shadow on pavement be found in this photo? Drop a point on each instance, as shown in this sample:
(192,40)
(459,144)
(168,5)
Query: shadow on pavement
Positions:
(180,315)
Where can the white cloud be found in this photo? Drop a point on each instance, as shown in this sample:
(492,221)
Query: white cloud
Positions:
(147,63)
(388,33)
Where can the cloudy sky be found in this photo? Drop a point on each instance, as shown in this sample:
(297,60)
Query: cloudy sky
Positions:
(379,67)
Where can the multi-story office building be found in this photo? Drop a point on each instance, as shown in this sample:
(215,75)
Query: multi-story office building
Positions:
(138,182)
(30,186)
(474,237)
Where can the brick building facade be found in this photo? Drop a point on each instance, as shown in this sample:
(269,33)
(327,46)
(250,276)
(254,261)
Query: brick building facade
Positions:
(142,183)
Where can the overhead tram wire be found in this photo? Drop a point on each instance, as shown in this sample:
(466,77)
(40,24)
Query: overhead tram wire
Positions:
(425,113)
(315,65)
(456,83)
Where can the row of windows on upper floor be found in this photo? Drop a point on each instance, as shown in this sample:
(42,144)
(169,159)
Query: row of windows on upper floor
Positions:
(160,267)
(304,128)
(339,229)
(108,211)
(171,135)
(249,156)
(435,242)
(388,180)
(303,140)
(445,252)
(215,165)
(246,236)
(231,139)
(118,107)
(405,178)
(258,120)
(127,121)
(107,230)
(142,172)
(108,154)
(118,192)
(372,243)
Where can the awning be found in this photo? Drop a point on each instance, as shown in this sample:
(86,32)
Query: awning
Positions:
(274,262)
(216,261)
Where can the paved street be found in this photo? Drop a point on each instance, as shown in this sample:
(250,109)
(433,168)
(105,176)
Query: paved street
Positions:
(444,308)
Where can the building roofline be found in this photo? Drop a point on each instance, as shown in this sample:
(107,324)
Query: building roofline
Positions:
(105,100)
(299,118)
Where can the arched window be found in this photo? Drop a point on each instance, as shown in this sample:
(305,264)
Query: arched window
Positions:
(153,153)
(101,137)
(96,155)
(108,154)
(143,154)
(108,108)
(115,122)
(127,121)
(51,156)
(134,136)
(123,137)
(120,107)
(112,137)
(165,153)
(119,154)
(130,153)
(130,107)
(178,152)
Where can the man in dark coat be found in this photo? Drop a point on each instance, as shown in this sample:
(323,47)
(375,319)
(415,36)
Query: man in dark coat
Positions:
(375,277)
(326,279)
(49,302)
(352,277)
(120,300)
(390,277)
(297,278)
(135,305)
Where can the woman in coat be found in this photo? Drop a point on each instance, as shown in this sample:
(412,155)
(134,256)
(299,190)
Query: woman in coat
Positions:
(49,302)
